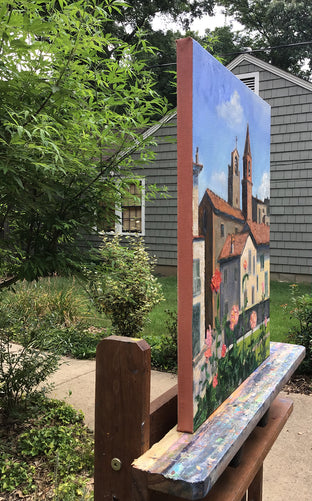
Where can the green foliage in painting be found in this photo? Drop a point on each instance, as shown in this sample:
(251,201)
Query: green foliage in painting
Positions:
(226,366)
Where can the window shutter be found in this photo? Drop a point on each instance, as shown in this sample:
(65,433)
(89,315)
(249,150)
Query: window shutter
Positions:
(251,80)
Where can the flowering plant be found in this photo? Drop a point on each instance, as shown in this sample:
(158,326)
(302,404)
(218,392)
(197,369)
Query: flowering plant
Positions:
(216,281)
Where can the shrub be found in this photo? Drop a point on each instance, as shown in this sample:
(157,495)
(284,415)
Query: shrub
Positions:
(123,286)
(164,347)
(15,474)
(21,372)
(302,332)
(48,451)
(50,315)
(39,306)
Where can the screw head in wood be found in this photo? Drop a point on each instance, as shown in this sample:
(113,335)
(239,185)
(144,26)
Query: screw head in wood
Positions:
(116,464)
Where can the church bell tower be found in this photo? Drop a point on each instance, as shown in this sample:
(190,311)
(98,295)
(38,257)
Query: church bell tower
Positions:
(247,179)
(234,180)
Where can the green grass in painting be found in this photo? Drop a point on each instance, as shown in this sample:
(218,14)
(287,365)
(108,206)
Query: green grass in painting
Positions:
(255,338)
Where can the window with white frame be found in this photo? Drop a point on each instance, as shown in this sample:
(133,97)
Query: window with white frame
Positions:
(130,216)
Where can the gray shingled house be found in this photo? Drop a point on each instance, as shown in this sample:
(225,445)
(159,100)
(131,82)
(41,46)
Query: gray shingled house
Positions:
(291,175)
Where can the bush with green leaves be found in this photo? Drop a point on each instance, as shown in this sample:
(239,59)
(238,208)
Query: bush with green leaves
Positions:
(15,474)
(48,449)
(51,314)
(164,347)
(21,372)
(122,284)
(302,332)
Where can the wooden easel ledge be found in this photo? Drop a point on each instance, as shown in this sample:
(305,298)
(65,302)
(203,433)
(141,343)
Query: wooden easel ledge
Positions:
(189,465)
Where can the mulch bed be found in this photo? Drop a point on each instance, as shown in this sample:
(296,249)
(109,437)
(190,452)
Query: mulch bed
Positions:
(299,383)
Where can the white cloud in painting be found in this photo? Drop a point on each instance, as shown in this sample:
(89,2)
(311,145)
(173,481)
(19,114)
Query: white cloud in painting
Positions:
(231,111)
(264,188)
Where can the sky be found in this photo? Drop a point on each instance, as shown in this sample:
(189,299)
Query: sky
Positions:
(200,25)
(230,111)
(222,108)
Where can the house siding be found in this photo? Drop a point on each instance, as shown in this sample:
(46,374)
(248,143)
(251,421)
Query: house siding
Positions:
(291,180)
(291,173)
(161,213)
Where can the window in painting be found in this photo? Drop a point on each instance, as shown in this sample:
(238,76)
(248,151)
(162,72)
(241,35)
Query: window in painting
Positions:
(266,284)
(225,277)
(222,230)
(226,309)
(235,274)
(196,329)
(196,277)
(249,262)
(262,262)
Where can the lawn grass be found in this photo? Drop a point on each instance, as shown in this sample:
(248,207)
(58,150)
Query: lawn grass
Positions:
(281,307)
(159,316)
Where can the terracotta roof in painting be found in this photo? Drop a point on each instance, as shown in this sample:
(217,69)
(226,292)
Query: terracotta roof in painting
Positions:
(260,232)
(222,206)
(234,245)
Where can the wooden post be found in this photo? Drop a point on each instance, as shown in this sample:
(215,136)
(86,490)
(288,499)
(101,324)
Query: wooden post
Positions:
(122,414)
(255,488)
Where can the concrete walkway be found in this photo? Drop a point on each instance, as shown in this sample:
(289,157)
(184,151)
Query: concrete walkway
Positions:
(288,466)
(75,382)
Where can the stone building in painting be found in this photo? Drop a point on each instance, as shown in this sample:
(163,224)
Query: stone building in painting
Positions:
(235,243)
(198,321)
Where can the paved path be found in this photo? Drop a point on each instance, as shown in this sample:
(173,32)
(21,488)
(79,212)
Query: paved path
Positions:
(287,468)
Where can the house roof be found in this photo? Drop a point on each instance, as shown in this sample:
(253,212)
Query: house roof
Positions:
(260,232)
(269,67)
(234,245)
(222,206)
(154,128)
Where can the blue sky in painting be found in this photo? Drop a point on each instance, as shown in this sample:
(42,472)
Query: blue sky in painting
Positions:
(222,107)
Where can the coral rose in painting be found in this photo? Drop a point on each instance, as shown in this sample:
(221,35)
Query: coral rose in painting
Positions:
(253,320)
(216,281)
(223,351)
(215,381)
(234,316)
(208,354)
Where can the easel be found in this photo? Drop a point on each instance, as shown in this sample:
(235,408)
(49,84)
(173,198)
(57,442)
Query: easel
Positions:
(127,425)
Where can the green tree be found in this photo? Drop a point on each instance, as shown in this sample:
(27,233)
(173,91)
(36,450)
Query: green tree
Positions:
(141,14)
(272,23)
(73,100)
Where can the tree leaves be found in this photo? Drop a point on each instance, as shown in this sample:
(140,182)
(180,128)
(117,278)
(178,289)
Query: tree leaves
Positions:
(73,101)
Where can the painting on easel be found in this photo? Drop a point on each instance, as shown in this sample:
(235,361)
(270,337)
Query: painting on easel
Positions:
(223,233)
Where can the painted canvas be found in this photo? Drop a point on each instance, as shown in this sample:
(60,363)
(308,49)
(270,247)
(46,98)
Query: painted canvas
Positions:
(223,233)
